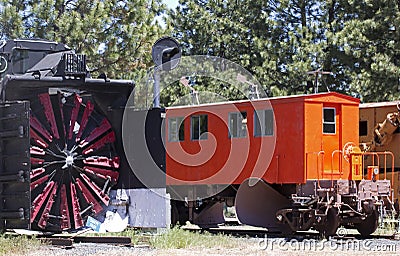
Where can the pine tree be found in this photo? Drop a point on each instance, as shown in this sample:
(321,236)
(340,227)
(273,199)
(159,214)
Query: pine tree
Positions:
(368,47)
(300,44)
(277,41)
(116,36)
(235,30)
(280,41)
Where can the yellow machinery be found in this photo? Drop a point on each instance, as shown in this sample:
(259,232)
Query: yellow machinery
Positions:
(378,136)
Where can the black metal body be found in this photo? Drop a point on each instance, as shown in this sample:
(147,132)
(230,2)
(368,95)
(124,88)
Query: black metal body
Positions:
(36,67)
(15,200)
(144,150)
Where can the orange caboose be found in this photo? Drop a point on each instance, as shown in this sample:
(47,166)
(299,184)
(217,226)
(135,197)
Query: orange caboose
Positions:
(287,163)
(276,139)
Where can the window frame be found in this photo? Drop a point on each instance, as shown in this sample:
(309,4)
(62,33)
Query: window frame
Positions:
(328,122)
(241,124)
(363,128)
(200,127)
(262,128)
(179,131)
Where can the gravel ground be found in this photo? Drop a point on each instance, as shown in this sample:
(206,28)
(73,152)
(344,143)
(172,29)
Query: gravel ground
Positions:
(245,247)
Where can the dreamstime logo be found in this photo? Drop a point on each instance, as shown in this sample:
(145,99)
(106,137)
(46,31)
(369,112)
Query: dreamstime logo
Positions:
(282,244)
(341,232)
(214,158)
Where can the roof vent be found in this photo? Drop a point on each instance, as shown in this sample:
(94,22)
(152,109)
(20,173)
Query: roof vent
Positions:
(74,64)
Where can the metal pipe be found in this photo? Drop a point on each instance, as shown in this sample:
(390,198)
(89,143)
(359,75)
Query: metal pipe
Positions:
(318,156)
(340,163)
(384,165)
(156,88)
(30,80)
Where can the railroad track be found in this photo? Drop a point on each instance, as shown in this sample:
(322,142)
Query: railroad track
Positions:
(250,231)
(66,240)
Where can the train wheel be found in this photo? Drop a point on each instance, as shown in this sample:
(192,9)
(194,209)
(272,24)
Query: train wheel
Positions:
(73,161)
(369,225)
(257,203)
(179,213)
(330,225)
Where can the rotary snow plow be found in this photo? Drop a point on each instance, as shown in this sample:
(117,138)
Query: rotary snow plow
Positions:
(60,133)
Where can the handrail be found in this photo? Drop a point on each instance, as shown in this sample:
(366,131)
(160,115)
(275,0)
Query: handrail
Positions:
(318,156)
(340,167)
(320,165)
(374,154)
(385,154)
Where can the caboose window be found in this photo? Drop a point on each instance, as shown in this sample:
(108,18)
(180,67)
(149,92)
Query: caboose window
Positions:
(329,121)
(199,127)
(237,125)
(263,123)
(176,129)
(363,128)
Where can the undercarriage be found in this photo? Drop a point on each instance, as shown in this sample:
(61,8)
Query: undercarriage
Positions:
(350,203)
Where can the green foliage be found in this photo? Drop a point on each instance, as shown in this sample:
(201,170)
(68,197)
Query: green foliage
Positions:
(369,46)
(388,225)
(236,30)
(17,245)
(116,36)
(280,41)
(277,41)
(177,238)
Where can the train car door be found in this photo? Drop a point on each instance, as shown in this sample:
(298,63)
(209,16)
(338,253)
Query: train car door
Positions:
(331,139)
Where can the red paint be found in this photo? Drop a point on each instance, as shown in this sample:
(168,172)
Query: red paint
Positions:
(85,119)
(49,112)
(74,114)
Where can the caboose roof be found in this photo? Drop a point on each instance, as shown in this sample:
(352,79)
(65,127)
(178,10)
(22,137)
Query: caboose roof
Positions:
(319,97)
(379,104)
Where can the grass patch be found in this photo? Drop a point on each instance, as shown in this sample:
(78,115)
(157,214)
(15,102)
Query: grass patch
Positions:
(12,245)
(177,238)
(389,226)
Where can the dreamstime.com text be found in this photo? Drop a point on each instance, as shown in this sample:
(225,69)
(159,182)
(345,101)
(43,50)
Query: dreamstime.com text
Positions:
(274,244)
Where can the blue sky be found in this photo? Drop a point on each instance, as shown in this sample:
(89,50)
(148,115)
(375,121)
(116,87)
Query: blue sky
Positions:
(171,3)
